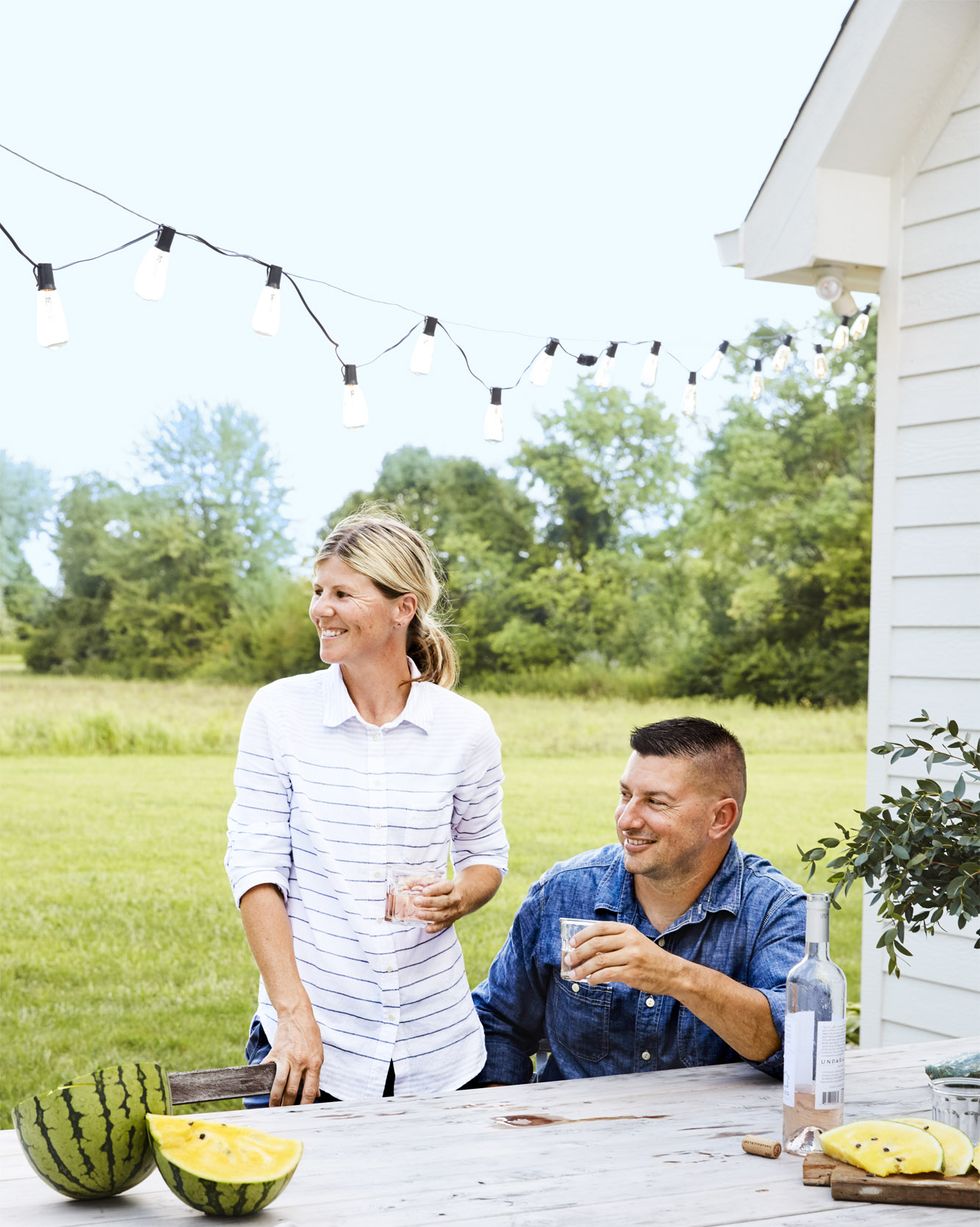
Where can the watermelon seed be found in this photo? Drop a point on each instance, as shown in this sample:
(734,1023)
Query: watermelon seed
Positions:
(857,1145)
(201,1136)
(886,1149)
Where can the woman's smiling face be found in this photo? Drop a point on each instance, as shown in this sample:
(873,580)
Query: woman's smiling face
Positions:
(355,621)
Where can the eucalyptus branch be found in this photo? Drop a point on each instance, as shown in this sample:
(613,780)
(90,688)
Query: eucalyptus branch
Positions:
(919,852)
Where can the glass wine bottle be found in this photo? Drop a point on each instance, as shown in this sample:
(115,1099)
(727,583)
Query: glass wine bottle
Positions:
(813,1050)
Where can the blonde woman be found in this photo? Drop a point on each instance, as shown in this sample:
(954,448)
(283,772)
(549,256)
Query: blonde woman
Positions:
(342,773)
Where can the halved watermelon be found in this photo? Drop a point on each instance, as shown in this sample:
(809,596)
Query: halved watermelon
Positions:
(224,1170)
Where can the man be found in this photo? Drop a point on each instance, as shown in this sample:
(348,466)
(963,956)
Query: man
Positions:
(686,962)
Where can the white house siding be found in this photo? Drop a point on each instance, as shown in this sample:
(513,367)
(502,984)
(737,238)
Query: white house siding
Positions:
(926,565)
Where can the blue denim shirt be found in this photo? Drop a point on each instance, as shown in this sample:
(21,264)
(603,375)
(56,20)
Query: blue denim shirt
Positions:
(748,922)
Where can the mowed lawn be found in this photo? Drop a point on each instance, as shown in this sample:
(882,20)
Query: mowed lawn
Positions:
(118,936)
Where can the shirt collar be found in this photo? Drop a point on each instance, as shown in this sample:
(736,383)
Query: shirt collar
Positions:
(338,707)
(722,894)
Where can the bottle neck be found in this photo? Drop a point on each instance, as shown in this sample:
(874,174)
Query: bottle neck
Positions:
(818,926)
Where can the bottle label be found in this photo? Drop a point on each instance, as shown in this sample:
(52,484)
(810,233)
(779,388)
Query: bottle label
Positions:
(828,1091)
(797,1054)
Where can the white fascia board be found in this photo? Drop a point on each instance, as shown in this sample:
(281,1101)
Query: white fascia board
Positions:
(841,220)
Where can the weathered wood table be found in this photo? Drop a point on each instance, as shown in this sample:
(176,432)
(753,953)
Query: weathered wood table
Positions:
(658,1148)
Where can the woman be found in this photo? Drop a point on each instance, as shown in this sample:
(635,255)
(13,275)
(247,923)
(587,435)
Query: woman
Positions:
(340,774)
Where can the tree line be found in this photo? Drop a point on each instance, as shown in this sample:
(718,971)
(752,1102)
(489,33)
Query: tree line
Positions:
(604,561)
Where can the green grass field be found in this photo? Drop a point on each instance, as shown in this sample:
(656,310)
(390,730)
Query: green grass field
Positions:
(118,936)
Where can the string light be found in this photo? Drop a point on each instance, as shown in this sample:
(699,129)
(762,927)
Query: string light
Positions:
(355,410)
(690,405)
(493,420)
(757,383)
(150,282)
(541,370)
(52,327)
(151,276)
(421,361)
(780,359)
(603,371)
(859,328)
(268,310)
(713,365)
(648,376)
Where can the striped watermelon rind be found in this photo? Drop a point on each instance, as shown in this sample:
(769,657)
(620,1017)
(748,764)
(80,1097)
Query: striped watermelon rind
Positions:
(88,1139)
(221,1198)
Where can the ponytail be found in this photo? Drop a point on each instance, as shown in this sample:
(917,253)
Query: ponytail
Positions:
(433,652)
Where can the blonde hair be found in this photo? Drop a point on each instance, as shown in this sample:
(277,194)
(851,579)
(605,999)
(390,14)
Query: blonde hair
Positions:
(398,560)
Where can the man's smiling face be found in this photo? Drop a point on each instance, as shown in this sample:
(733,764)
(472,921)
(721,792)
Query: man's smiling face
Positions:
(665,817)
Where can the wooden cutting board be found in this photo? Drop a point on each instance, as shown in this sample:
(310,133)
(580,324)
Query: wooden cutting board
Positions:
(849,1183)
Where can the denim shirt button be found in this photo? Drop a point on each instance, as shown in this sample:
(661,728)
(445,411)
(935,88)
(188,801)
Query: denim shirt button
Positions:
(651,1000)
(575,988)
(645,1056)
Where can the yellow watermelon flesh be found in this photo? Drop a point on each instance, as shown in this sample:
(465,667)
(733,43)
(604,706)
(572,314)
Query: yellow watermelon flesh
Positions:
(219,1169)
(957,1147)
(884,1147)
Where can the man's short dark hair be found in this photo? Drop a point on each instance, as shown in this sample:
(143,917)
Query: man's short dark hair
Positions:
(693,737)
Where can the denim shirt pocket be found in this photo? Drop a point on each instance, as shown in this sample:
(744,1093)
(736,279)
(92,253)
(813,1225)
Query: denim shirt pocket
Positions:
(580,1014)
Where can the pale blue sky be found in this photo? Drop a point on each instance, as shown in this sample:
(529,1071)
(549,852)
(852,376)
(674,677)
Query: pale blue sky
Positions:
(547,168)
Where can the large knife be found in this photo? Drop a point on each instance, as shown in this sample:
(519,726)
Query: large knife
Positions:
(204,1085)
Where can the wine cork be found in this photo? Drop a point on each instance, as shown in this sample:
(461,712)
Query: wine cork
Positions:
(769,1148)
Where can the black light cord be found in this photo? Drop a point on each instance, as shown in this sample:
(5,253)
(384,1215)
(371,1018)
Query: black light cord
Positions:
(294,278)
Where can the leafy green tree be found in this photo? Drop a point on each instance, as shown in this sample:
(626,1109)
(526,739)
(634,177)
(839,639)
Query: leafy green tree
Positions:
(25,499)
(606,470)
(152,577)
(778,537)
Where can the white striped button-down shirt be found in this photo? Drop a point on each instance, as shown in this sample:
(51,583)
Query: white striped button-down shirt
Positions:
(324,803)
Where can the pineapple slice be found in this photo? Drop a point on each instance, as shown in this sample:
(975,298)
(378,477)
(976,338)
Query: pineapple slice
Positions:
(884,1147)
(957,1147)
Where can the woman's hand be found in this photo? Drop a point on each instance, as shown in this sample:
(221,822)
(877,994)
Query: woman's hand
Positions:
(298,1054)
(443,903)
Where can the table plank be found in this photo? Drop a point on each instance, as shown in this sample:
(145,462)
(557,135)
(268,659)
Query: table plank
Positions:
(669,1152)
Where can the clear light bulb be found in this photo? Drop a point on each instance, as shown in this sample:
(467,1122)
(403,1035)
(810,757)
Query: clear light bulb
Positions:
(757,383)
(355,408)
(493,420)
(781,357)
(648,376)
(421,362)
(151,276)
(602,377)
(859,328)
(690,405)
(830,286)
(268,310)
(52,327)
(819,362)
(841,336)
(541,370)
(713,365)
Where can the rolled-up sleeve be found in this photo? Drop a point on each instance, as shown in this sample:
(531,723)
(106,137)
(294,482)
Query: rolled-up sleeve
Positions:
(779,947)
(259,846)
(511,1002)
(478,836)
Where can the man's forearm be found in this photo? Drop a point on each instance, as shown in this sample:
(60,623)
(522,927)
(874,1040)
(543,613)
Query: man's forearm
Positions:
(738,1014)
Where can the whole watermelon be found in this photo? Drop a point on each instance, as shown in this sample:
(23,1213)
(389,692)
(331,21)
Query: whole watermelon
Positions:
(88,1138)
